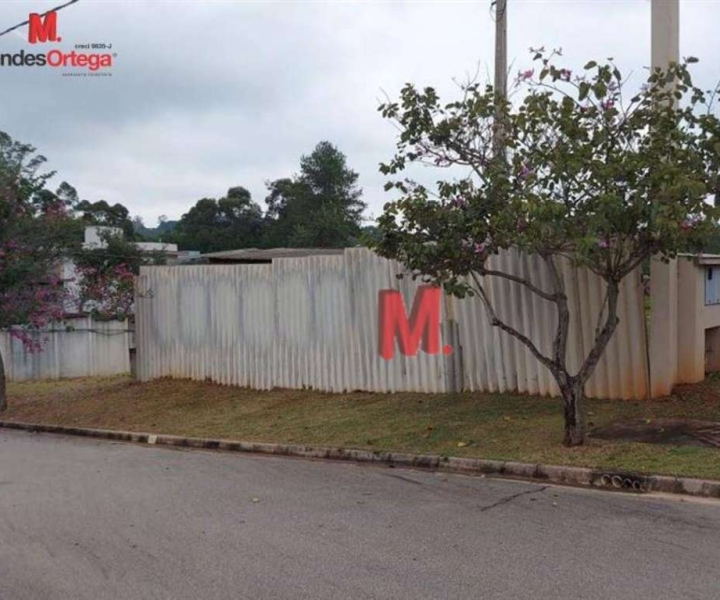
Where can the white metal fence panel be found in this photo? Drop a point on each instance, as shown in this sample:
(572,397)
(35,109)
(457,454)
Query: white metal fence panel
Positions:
(301,322)
(495,361)
(78,347)
(313,322)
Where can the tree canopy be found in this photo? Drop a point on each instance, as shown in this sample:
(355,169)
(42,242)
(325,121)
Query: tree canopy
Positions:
(234,221)
(320,207)
(35,231)
(587,172)
(102,213)
(106,276)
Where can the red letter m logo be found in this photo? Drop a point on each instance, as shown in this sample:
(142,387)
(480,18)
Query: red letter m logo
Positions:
(423,325)
(43,29)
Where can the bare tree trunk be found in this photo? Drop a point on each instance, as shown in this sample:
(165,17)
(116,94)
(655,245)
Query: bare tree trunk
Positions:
(574,410)
(573,390)
(3,385)
(571,387)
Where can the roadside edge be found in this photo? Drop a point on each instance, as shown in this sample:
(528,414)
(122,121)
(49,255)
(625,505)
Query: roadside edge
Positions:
(557,474)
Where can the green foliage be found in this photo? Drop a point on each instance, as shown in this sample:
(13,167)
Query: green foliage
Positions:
(234,221)
(105,276)
(35,230)
(102,213)
(116,251)
(162,233)
(577,169)
(586,171)
(321,207)
(370,235)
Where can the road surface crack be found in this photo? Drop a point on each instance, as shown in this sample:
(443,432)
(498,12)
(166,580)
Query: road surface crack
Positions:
(512,497)
(408,479)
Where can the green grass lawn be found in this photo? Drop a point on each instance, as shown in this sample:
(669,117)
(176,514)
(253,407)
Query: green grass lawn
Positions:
(497,426)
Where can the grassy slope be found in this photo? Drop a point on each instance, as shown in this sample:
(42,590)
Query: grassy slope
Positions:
(499,426)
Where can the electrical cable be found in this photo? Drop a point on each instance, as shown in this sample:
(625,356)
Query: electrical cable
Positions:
(19,25)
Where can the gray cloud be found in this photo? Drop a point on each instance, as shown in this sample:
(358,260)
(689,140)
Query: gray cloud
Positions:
(206,95)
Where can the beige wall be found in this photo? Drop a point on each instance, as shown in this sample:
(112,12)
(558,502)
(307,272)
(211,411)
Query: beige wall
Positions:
(683,340)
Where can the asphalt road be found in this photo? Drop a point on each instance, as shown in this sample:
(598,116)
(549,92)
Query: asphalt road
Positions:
(93,519)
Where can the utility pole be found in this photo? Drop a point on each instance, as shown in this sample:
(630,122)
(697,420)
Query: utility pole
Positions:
(663,359)
(501,48)
(500,72)
(665,31)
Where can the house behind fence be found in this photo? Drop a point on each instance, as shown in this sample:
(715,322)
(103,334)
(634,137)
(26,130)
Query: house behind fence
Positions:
(313,322)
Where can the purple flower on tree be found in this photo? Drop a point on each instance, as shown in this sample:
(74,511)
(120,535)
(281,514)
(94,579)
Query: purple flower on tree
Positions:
(460,202)
(525,75)
(690,223)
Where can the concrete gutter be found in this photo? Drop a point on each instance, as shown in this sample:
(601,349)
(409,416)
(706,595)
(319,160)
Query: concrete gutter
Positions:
(563,475)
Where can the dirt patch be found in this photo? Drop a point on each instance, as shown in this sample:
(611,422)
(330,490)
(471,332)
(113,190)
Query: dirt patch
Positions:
(679,432)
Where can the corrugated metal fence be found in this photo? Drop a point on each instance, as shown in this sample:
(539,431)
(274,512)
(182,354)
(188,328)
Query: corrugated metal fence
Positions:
(313,322)
(79,347)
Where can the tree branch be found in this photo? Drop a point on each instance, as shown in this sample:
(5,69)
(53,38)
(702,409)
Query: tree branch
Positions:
(563,326)
(603,337)
(521,280)
(496,322)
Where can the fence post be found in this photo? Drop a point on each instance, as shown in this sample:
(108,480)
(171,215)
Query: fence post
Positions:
(454,373)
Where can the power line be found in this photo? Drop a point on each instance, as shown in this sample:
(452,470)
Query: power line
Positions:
(42,15)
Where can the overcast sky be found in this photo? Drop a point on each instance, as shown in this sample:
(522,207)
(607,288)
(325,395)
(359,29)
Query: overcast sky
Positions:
(210,94)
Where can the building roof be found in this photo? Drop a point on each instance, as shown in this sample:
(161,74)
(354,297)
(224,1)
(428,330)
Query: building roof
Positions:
(267,255)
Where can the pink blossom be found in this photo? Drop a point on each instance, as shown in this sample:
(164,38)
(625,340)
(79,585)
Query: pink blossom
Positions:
(460,203)
(565,74)
(689,223)
(525,75)
(108,294)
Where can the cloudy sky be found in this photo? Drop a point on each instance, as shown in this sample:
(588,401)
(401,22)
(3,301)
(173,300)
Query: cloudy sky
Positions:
(205,95)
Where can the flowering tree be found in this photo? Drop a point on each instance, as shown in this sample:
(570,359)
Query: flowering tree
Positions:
(585,172)
(106,276)
(34,232)
(107,293)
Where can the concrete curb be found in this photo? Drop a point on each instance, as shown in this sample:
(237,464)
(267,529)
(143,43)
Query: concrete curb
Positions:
(576,476)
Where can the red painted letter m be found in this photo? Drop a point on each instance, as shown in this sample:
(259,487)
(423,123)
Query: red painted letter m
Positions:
(43,28)
(423,327)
